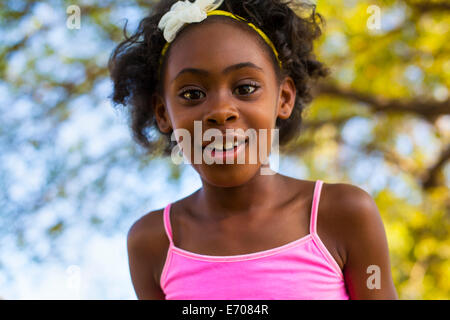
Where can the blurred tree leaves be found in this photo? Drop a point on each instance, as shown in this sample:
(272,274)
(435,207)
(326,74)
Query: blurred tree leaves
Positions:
(380,121)
(56,229)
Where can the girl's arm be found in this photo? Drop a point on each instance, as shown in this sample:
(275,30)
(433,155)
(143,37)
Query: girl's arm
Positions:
(142,243)
(367,269)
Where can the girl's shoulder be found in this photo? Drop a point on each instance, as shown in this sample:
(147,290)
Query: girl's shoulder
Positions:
(151,225)
(348,202)
(344,211)
(351,218)
(148,226)
(148,236)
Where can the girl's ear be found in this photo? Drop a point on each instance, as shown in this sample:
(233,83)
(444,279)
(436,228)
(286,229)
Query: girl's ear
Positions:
(161,114)
(287,98)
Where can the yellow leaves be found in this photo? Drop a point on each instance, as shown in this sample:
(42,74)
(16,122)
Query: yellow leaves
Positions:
(324,138)
(399,238)
(444,270)
(433,25)
(431,42)
(417,218)
(444,251)
(326,132)
(371,72)
(425,248)
(418,243)
(329,108)
(381,58)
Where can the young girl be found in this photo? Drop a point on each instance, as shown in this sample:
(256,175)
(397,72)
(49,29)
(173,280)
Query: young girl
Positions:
(241,64)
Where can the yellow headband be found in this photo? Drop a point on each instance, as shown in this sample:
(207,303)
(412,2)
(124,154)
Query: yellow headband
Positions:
(229,14)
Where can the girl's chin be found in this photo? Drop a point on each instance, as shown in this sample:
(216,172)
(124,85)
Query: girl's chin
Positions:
(227,175)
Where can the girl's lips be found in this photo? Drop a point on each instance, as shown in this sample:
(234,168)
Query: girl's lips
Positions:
(230,154)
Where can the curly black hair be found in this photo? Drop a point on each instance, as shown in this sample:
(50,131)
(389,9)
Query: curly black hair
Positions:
(134,64)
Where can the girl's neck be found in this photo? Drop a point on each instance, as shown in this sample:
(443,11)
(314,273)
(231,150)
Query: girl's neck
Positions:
(257,195)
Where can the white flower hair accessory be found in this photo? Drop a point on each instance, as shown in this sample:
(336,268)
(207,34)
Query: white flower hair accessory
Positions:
(183,12)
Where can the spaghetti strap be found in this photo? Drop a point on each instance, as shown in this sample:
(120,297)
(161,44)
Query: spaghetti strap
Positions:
(167,226)
(315,206)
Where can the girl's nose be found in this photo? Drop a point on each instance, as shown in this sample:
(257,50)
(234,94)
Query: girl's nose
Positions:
(221,114)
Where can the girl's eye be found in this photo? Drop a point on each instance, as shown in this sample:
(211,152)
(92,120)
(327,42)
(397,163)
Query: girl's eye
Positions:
(248,89)
(193,94)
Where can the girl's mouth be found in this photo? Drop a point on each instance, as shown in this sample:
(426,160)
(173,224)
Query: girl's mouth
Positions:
(230,151)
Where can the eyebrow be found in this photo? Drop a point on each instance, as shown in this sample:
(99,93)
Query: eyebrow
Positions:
(228,69)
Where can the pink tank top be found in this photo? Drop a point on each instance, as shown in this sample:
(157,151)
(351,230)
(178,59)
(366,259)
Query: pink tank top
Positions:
(301,269)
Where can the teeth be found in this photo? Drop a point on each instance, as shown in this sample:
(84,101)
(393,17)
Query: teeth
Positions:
(229,145)
(220,147)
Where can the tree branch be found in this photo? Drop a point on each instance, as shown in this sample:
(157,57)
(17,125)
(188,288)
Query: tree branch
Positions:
(425,6)
(426,108)
(430,178)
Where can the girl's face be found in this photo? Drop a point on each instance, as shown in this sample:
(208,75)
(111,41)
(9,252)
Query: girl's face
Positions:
(218,74)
